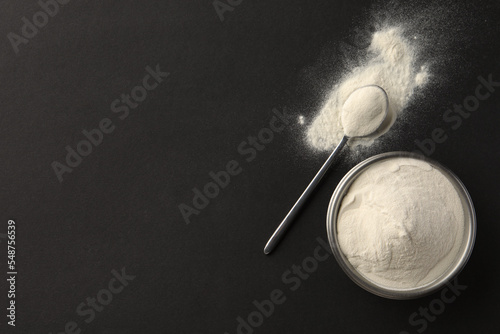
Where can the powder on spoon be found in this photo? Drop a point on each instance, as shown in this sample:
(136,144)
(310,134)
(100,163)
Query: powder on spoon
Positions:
(390,63)
(364,111)
(401,223)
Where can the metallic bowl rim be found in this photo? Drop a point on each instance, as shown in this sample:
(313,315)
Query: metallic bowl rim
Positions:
(401,294)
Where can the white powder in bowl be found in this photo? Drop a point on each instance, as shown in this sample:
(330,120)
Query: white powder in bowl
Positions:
(390,63)
(363,111)
(401,223)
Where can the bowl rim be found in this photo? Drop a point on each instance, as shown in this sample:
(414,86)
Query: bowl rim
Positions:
(410,293)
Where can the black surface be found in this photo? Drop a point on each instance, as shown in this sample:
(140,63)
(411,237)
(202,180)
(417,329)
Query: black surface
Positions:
(119,207)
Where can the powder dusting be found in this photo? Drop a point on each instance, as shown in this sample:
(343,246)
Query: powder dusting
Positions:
(401,223)
(391,64)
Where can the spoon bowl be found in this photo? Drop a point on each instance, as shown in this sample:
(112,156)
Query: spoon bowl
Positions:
(364,111)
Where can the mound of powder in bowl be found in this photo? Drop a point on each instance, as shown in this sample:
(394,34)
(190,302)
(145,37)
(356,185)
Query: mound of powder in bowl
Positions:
(401,223)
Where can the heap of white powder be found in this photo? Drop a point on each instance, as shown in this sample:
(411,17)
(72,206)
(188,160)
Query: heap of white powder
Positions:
(391,64)
(364,111)
(401,223)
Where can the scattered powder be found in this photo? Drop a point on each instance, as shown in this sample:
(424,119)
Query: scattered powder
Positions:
(363,111)
(422,77)
(401,223)
(390,63)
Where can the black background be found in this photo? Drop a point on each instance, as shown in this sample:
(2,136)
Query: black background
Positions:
(119,207)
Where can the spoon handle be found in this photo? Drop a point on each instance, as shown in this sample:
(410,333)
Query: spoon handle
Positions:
(285,224)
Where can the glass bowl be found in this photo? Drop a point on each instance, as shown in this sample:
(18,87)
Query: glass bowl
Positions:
(457,264)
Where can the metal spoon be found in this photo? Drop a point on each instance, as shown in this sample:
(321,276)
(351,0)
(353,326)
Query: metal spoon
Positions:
(285,224)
